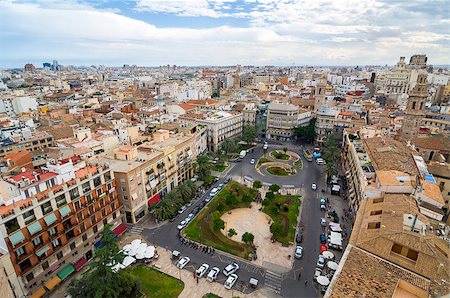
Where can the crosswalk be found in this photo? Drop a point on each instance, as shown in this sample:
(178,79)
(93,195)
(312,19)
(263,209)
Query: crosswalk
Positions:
(135,230)
(273,281)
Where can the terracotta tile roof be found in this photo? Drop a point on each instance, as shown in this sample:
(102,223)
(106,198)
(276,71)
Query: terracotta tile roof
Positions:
(392,178)
(200,102)
(16,155)
(434,143)
(433,191)
(186,107)
(389,154)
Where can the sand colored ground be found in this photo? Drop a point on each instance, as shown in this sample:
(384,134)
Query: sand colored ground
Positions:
(258,223)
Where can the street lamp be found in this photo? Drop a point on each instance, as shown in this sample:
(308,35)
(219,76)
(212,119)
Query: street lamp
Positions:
(153,236)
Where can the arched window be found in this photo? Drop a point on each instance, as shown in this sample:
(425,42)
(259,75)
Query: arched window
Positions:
(414,105)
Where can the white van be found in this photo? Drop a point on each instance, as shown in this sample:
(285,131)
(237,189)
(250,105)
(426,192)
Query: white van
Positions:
(213,192)
(242,154)
(319,161)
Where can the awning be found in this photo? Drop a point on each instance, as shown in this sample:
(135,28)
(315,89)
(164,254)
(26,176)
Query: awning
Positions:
(41,251)
(50,219)
(52,283)
(34,228)
(38,293)
(80,263)
(119,229)
(64,211)
(66,271)
(153,200)
(16,238)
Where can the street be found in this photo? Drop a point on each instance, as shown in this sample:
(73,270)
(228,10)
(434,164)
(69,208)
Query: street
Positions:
(284,282)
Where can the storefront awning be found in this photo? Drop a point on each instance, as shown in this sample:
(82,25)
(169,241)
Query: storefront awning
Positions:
(119,229)
(16,238)
(153,200)
(52,283)
(38,293)
(66,272)
(34,228)
(80,263)
(50,219)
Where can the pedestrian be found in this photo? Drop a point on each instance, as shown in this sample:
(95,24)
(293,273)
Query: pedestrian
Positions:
(306,282)
(193,273)
(299,275)
(197,280)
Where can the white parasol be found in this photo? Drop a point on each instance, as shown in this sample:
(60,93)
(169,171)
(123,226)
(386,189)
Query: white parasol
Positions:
(141,249)
(332,265)
(127,261)
(132,251)
(323,280)
(126,248)
(136,242)
(140,256)
(117,267)
(150,252)
(328,255)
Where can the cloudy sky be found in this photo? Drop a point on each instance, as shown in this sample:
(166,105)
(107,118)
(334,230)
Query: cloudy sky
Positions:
(223,32)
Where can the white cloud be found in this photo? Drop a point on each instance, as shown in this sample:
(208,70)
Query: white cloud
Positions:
(208,8)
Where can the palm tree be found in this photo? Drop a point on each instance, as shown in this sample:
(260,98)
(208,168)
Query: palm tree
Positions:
(203,166)
(185,192)
(162,210)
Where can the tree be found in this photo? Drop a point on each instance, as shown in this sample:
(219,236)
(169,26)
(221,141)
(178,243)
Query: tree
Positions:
(232,232)
(285,149)
(217,222)
(229,146)
(248,238)
(270,195)
(249,133)
(257,184)
(306,133)
(100,280)
(203,166)
(276,228)
(331,155)
(163,209)
(185,192)
(274,188)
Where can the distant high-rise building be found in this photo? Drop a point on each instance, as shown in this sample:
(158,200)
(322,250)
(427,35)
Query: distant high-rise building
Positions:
(46,64)
(29,68)
(415,109)
(418,61)
(55,65)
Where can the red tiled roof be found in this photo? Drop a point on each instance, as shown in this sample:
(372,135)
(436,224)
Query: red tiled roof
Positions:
(29,175)
(186,106)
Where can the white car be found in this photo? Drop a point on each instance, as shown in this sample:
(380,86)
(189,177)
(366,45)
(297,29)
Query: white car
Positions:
(231,280)
(182,224)
(298,252)
(323,222)
(190,216)
(183,262)
(232,268)
(213,192)
(202,270)
(321,262)
(265,147)
(313,186)
(182,209)
(252,161)
(212,275)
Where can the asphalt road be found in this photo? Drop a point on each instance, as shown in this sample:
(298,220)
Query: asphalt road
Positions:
(167,234)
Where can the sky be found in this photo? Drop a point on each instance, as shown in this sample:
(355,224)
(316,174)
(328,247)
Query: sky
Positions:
(223,32)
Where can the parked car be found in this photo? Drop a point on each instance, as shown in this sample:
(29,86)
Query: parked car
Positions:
(220,186)
(252,161)
(216,179)
(173,217)
(317,273)
(230,269)
(298,252)
(213,192)
(231,280)
(212,275)
(202,204)
(323,238)
(323,222)
(207,199)
(265,147)
(323,248)
(313,186)
(320,262)
(227,180)
(182,224)
(202,270)
(182,209)
(183,262)
(299,237)
(190,216)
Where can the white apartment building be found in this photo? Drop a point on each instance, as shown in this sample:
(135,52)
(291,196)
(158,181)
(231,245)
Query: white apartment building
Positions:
(282,118)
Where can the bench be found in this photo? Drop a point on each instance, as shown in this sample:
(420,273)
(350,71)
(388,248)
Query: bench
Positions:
(157,266)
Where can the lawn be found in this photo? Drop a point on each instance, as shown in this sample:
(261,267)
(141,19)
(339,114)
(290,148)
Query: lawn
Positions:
(210,295)
(200,228)
(280,155)
(155,283)
(284,211)
(298,163)
(277,171)
(219,167)
(262,160)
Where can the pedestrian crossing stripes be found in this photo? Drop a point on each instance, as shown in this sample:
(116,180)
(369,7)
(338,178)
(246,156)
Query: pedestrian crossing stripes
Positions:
(273,281)
(135,230)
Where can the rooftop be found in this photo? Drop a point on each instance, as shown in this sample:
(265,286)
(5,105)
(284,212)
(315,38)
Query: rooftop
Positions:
(432,191)
(432,142)
(394,178)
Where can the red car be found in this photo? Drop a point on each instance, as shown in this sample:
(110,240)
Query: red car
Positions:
(323,248)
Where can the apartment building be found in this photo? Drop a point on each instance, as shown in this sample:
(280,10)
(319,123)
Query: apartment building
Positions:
(282,118)
(220,125)
(33,142)
(51,220)
(145,173)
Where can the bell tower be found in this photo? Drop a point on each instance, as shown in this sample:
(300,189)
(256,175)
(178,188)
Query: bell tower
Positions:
(415,108)
(319,96)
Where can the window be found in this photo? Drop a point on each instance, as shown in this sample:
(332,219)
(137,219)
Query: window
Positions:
(72,246)
(378,200)
(45,265)
(20,251)
(114,215)
(53,231)
(397,248)
(84,237)
(124,189)
(99,192)
(56,243)
(30,276)
(376,212)
(12,225)
(95,229)
(59,255)
(412,255)
(46,208)
(374,225)
(29,217)
(37,241)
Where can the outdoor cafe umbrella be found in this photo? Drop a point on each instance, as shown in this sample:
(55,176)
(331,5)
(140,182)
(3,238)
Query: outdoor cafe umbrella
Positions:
(127,247)
(132,251)
(328,255)
(127,261)
(136,242)
(141,248)
(149,252)
(140,256)
(323,280)
(332,265)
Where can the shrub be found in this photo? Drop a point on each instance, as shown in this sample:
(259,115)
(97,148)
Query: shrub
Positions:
(247,199)
(285,208)
(275,209)
(257,184)
(220,207)
(274,188)
(276,228)
(270,195)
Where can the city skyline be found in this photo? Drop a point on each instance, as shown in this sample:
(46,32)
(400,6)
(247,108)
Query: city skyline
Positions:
(222,32)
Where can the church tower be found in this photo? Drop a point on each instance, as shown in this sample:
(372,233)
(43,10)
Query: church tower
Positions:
(319,96)
(415,108)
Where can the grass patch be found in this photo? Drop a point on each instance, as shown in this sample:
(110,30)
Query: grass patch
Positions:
(262,160)
(278,171)
(156,284)
(284,211)
(219,167)
(211,295)
(280,155)
(233,196)
(298,163)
